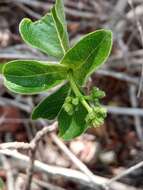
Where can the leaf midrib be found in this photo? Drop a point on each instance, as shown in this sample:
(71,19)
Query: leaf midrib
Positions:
(36,74)
(60,39)
(92,52)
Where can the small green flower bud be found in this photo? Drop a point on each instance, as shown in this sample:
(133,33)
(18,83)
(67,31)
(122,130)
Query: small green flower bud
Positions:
(98,121)
(92,115)
(68,108)
(96,102)
(97,94)
(71,112)
(102,112)
(97,116)
(68,99)
(88,98)
(75,101)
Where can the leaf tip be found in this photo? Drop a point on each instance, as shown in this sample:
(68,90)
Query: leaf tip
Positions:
(109,33)
(22,26)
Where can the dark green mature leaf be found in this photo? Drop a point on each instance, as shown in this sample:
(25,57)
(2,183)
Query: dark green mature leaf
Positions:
(30,77)
(49,34)
(88,54)
(51,106)
(71,126)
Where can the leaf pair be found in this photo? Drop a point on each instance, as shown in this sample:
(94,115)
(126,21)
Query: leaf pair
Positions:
(86,56)
(49,34)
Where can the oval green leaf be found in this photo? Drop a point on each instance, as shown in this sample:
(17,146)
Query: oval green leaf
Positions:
(71,126)
(30,77)
(49,34)
(88,54)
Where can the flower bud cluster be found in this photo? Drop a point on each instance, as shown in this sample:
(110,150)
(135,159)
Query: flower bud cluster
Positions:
(96,113)
(70,104)
(96,116)
(95,96)
(97,93)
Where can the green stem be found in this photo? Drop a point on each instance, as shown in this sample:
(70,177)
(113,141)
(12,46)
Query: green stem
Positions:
(78,93)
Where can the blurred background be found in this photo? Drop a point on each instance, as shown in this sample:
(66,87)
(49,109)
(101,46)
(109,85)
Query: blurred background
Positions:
(118,144)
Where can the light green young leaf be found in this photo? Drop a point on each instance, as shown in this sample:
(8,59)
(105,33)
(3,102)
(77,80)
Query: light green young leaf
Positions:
(30,77)
(49,34)
(88,54)
(71,126)
(51,106)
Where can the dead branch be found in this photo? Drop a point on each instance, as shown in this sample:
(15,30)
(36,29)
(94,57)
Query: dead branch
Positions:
(32,147)
(140,30)
(124,111)
(137,119)
(9,173)
(126,172)
(118,75)
(40,183)
(71,174)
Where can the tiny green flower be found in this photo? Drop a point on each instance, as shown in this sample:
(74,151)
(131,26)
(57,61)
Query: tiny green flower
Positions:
(75,101)
(97,94)
(68,99)
(68,108)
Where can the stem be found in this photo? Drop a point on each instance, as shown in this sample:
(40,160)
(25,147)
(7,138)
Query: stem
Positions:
(78,93)
(86,105)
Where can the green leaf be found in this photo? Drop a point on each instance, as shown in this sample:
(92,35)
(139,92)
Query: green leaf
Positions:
(49,34)
(51,106)
(1,184)
(1,67)
(30,77)
(88,54)
(71,126)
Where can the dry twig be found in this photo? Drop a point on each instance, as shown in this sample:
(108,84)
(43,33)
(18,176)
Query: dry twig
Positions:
(32,147)
(140,29)
(137,119)
(71,174)
(126,172)
(9,173)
